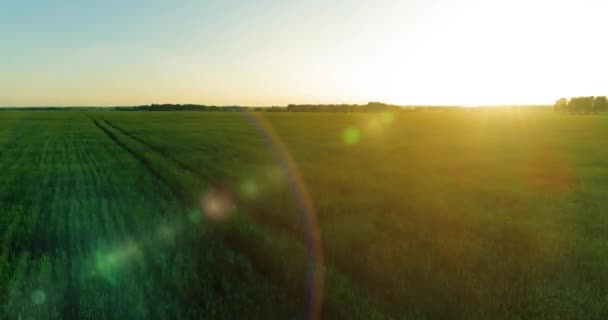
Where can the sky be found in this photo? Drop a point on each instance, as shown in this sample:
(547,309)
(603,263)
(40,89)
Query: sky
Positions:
(277,52)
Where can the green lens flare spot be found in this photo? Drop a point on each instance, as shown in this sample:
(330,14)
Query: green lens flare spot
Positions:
(387,117)
(194,216)
(350,136)
(106,265)
(249,188)
(38,297)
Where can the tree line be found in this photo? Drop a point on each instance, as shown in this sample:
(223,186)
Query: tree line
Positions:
(186,107)
(588,104)
(338,108)
(369,107)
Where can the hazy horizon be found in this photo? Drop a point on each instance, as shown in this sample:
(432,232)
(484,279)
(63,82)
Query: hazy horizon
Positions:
(440,52)
(271,106)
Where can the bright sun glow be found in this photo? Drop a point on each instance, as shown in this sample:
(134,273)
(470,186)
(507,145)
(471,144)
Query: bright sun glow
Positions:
(480,52)
(467,52)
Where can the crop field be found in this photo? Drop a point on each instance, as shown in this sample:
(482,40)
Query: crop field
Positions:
(470,214)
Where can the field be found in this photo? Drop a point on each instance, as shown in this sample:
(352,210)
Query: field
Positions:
(474,214)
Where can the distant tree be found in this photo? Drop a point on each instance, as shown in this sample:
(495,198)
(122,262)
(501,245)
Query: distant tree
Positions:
(561,104)
(574,104)
(600,104)
(581,104)
(370,107)
(588,104)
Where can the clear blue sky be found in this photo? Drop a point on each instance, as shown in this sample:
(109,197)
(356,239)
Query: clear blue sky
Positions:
(277,52)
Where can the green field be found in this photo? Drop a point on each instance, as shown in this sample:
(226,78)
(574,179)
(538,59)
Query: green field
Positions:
(470,214)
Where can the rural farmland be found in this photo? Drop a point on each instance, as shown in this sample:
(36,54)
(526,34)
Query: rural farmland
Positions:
(467,213)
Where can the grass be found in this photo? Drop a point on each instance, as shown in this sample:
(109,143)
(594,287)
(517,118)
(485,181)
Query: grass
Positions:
(469,214)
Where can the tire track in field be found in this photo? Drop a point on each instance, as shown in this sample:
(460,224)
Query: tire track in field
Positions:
(127,224)
(155,269)
(163,154)
(96,168)
(180,164)
(129,228)
(145,162)
(108,226)
(277,225)
(236,243)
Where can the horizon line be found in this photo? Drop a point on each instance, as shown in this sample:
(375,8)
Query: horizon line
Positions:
(282,106)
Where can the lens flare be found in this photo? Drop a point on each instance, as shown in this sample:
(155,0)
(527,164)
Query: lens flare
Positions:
(350,136)
(275,176)
(387,117)
(38,297)
(217,205)
(290,172)
(108,264)
(167,234)
(377,122)
(249,188)
(194,216)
